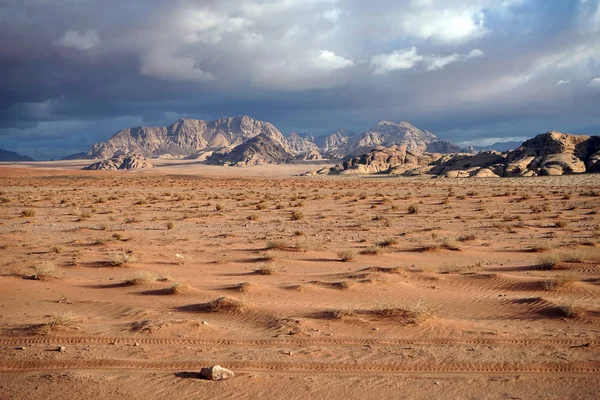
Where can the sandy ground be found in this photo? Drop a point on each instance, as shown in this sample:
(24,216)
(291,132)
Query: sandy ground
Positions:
(306,287)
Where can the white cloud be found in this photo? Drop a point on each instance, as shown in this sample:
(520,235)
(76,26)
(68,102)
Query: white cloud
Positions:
(562,83)
(447,25)
(328,60)
(382,64)
(80,41)
(595,83)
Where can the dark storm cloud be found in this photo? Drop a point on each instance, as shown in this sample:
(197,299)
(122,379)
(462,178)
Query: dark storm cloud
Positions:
(76,71)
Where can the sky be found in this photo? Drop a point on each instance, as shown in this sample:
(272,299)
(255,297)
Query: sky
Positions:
(74,72)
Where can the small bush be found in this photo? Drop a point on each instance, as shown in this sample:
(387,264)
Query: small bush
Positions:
(560,223)
(142,278)
(387,242)
(170,225)
(265,270)
(346,255)
(297,215)
(547,261)
(57,320)
(120,258)
(45,271)
(413,209)
(28,212)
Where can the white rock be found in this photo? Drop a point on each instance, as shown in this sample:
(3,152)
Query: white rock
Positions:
(216,373)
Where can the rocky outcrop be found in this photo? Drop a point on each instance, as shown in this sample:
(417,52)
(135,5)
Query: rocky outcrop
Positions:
(262,149)
(391,159)
(551,153)
(6,155)
(134,161)
(185,137)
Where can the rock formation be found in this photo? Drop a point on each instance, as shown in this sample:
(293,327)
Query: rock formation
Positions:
(551,153)
(261,149)
(385,160)
(134,161)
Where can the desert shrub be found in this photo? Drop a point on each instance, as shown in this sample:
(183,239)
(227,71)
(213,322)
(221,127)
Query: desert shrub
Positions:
(297,215)
(569,310)
(28,212)
(120,258)
(170,225)
(560,223)
(265,270)
(413,209)
(45,271)
(547,261)
(387,242)
(225,303)
(451,244)
(142,278)
(346,255)
(277,245)
(57,320)
(560,281)
(253,217)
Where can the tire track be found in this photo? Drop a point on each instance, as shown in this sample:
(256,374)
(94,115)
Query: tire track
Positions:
(290,367)
(32,340)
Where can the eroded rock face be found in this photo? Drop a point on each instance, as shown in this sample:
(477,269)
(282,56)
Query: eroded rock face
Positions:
(384,160)
(133,161)
(551,153)
(185,137)
(261,149)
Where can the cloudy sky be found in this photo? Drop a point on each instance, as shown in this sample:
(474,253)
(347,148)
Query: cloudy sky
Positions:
(73,72)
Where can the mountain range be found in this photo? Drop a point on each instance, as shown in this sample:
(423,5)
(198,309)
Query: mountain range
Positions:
(6,155)
(213,140)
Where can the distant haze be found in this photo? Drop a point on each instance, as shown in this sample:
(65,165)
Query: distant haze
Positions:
(473,72)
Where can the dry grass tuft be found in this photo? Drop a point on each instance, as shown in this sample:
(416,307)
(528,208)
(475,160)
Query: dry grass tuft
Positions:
(225,303)
(45,271)
(547,262)
(142,278)
(265,270)
(178,288)
(120,258)
(346,255)
(560,281)
(65,319)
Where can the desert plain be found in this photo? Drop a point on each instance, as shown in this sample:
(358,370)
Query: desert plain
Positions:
(122,285)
